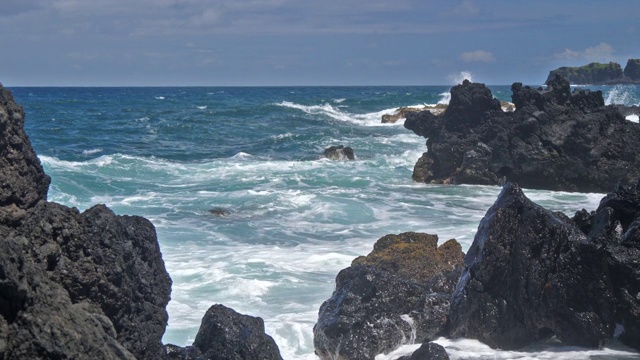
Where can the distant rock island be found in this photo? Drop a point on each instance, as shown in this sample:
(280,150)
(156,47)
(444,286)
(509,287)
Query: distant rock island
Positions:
(600,74)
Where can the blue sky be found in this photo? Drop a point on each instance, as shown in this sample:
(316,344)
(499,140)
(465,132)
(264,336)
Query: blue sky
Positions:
(296,42)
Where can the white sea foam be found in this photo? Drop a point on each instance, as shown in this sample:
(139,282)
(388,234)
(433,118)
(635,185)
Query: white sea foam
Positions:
(468,349)
(91,152)
(459,78)
(159,97)
(633,118)
(368,119)
(339,100)
(445,98)
(619,94)
(202,107)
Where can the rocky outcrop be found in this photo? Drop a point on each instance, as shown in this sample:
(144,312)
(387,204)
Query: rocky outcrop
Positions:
(397,294)
(555,139)
(226,334)
(532,273)
(339,152)
(22,181)
(592,74)
(73,285)
(632,70)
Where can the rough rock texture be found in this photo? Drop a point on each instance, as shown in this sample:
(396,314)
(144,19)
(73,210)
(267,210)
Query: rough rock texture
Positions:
(396,295)
(339,152)
(555,140)
(227,335)
(38,319)
(73,285)
(22,180)
(428,351)
(532,273)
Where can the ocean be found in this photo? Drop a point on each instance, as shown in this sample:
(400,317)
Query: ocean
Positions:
(285,220)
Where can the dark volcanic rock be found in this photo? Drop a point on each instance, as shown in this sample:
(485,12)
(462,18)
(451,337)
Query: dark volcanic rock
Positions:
(428,351)
(22,180)
(532,273)
(38,319)
(396,295)
(73,285)
(111,261)
(339,152)
(556,140)
(227,335)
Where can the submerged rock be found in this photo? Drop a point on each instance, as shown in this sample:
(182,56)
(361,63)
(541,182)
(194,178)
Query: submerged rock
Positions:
(555,140)
(397,294)
(339,152)
(532,273)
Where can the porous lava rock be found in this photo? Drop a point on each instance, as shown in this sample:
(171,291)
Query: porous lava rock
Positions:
(227,335)
(532,273)
(555,139)
(22,180)
(73,285)
(398,294)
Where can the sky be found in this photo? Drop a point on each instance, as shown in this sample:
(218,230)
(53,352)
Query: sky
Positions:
(307,42)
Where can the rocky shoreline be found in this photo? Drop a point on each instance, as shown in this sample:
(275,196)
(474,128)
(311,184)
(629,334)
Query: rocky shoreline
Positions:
(93,284)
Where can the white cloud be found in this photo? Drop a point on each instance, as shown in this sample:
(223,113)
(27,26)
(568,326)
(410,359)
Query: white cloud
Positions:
(601,52)
(467,8)
(477,56)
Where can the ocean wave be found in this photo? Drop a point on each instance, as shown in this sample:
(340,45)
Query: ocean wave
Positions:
(202,107)
(336,113)
(91,152)
(621,95)
(159,97)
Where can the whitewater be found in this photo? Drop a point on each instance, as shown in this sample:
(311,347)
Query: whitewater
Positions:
(289,219)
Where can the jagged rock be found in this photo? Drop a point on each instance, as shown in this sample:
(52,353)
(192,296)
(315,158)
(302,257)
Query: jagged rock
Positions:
(531,273)
(38,320)
(227,335)
(22,179)
(556,140)
(428,351)
(339,152)
(90,285)
(111,261)
(397,294)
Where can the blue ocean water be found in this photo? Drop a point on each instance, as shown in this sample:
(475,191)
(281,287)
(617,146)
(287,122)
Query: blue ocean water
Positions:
(294,219)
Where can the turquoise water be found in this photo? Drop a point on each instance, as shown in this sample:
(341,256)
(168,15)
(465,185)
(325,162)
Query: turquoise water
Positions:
(294,219)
